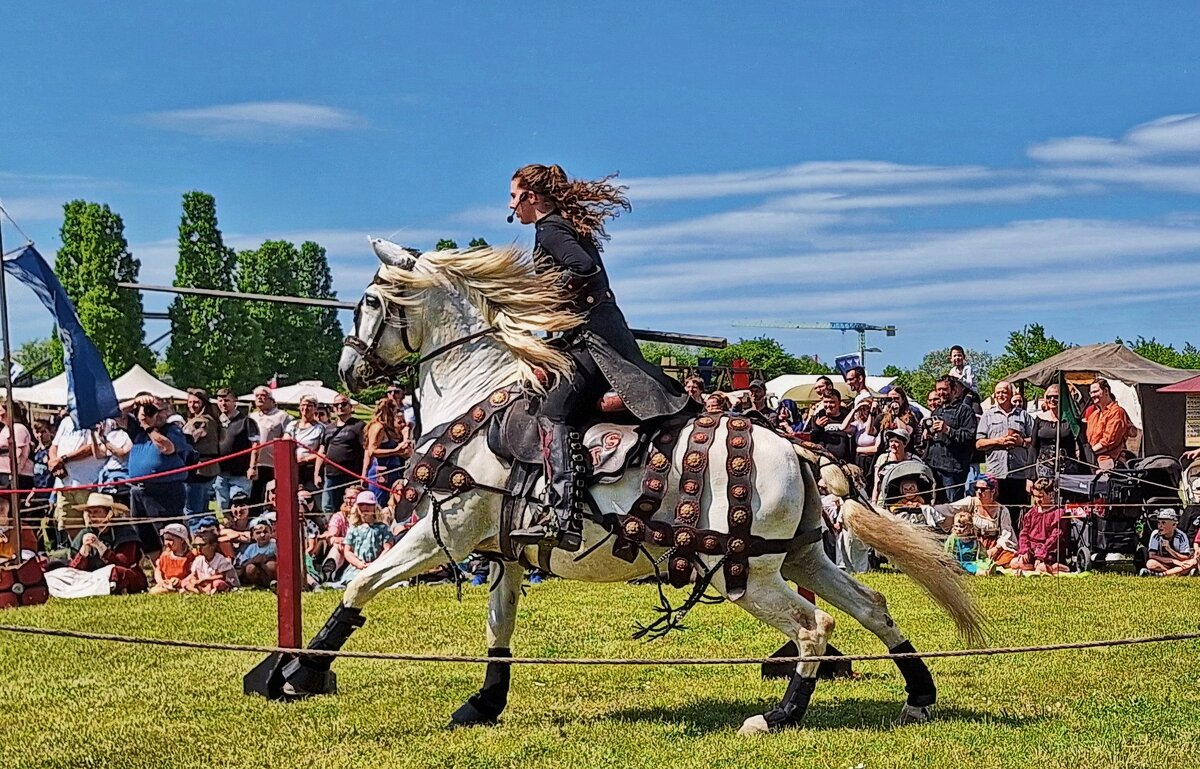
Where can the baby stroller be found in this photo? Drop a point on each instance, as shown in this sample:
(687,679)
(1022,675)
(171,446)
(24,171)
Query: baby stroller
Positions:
(906,489)
(1110,510)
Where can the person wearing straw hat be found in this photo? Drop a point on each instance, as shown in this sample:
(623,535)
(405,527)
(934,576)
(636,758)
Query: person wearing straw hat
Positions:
(107,541)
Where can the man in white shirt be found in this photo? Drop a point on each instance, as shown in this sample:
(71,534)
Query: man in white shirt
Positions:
(272,422)
(75,460)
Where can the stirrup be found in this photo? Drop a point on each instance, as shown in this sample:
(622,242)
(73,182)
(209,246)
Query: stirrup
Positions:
(533,535)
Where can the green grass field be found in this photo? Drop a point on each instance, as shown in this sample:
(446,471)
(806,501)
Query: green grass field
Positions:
(79,703)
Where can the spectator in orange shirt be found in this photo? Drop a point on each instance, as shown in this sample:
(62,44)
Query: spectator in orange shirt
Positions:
(175,561)
(1108,425)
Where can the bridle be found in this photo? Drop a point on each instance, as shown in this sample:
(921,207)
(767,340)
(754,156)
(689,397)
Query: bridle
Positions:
(380,370)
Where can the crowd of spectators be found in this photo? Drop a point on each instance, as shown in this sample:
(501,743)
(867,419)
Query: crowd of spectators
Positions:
(200,514)
(980,473)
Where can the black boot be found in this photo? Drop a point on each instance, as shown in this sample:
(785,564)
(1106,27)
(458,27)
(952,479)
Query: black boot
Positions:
(567,469)
(312,675)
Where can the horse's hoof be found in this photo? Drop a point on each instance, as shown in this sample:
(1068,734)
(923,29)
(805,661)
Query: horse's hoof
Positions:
(910,714)
(754,725)
(468,715)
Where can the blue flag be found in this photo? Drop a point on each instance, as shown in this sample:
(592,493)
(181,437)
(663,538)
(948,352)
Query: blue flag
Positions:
(90,394)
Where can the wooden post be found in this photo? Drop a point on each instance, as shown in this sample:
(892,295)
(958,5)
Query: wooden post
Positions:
(289,544)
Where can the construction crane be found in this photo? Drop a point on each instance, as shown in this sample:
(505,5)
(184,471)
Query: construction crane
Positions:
(860,328)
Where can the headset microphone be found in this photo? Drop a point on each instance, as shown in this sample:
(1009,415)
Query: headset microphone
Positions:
(512,214)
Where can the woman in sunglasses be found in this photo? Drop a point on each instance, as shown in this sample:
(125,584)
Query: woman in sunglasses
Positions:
(1054,446)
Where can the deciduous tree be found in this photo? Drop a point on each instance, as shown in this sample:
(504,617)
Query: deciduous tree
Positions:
(206,333)
(322,329)
(93,259)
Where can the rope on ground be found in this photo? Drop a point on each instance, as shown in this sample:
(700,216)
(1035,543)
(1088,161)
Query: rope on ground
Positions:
(680,661)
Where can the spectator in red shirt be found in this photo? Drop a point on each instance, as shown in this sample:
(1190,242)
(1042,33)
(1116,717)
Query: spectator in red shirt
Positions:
(1041,534)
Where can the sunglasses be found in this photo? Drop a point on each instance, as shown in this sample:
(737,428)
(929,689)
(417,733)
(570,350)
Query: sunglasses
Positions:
(1051,397)
(345,405)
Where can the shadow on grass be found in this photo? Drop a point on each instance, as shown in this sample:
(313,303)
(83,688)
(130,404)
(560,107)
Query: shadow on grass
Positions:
(850,713)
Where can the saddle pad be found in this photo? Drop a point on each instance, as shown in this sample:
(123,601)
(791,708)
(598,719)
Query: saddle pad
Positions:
(609,446)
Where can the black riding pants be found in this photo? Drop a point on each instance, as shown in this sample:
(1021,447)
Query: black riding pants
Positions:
(572,399)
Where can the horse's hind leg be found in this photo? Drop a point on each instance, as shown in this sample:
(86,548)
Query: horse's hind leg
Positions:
(485,706)
(808,567)
(769,598)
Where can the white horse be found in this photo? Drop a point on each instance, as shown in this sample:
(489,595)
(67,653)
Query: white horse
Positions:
(471,313)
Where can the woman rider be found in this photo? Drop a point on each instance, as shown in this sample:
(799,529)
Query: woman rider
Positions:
(568,216)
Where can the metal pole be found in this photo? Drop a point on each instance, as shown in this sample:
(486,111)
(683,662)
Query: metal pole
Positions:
(14,505)
(289,544)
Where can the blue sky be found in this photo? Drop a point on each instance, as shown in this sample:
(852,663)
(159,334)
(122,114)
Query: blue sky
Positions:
(957,169)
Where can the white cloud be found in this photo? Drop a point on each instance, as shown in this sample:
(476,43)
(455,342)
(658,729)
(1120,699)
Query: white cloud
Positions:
(852,174)
(1170,135)
(257,119)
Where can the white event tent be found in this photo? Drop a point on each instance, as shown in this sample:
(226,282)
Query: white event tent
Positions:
(802,387)
(53,392)
(291,394)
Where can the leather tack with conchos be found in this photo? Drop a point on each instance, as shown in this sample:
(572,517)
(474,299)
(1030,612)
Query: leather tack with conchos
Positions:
(633,527)
(691,489)
(739,446)
(434,469)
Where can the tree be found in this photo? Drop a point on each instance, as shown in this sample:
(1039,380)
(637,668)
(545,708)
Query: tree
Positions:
(767,356)
(206,333)
(273,343)
(1167,355)
(445,244)
(39,358)
(1025,347)
(654,352)
(477,243)
(321,326)
(95,257)
(919,381)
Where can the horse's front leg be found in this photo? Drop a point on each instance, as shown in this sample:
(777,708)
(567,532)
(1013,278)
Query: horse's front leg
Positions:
(485,706)
(417,552)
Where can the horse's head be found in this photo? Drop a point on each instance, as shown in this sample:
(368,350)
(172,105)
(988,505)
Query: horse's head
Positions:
(383,334)
(481,302)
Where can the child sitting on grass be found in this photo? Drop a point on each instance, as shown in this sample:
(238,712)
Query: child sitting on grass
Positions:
(367,539)
(1169,554)
(175,561)
(257,561)
(964,545)
(211,572)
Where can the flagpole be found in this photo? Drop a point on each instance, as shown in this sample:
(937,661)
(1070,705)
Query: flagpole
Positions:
(14,505)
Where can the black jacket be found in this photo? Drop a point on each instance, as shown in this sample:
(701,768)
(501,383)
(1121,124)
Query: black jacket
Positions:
(952,452)
(647,391)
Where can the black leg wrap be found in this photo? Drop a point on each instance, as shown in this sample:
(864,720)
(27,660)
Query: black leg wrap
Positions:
(312,675)
(826,670)
(795,702)
(485,706)
(917,680)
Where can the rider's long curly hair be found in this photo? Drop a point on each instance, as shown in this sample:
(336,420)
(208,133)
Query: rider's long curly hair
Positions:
(585,204)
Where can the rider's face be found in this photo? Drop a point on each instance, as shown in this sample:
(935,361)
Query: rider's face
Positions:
(521,202)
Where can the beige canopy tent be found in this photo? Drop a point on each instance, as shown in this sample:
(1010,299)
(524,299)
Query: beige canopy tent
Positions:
(1135,381)
(802,388)
(291,394)
(53,392)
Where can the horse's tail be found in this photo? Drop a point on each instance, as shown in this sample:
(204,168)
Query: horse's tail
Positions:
(918,554)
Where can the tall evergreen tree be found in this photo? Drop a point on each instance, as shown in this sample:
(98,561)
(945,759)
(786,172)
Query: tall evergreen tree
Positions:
(274,342)
(205,332)
(95,257)
(322,329)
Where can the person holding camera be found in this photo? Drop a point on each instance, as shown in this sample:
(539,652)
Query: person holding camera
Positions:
(158,447)
(949,435)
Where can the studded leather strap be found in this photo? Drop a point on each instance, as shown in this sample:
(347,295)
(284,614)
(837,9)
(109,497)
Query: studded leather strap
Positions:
(691,489)
(635,526)
(433,470)
(738,490)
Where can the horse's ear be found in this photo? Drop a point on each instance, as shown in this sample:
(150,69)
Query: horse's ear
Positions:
(394,255)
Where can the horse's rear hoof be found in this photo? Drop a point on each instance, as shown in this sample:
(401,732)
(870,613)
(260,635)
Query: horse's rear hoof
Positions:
(754,725)
(910,714)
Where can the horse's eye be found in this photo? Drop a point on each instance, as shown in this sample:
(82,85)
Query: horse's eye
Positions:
(371,301)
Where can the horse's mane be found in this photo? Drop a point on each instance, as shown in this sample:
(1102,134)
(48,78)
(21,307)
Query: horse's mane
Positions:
(502,284)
